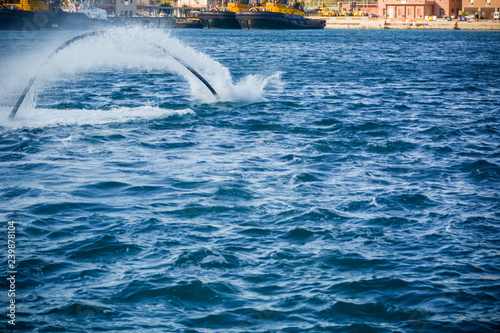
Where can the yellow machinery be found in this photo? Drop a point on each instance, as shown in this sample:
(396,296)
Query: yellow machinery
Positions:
(324,11)
(352,11)
(281,6)
(234,6)
(28,5)
(359,12)
(342,11)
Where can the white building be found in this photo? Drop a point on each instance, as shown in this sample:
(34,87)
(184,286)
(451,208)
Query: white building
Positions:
(198,3)
(126,7)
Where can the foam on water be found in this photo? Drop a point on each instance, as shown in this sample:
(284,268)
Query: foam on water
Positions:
(38,118)
(134,48)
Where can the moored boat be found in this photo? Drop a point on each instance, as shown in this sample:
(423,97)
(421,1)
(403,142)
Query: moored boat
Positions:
(42,15)
(223,17)
(277,15)
(188,23)
(85,7)
(20,15)
(16,19)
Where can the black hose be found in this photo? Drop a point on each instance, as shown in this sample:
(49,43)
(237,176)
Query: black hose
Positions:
(191,69)
(30,83)
(96,33)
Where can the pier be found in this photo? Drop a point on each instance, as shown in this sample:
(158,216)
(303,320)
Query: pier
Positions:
(381,23)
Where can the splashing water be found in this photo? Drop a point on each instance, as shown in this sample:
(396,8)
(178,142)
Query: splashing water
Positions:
(138,48)
(43,118)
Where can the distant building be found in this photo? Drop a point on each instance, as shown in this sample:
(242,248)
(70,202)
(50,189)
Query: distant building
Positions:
(482,8)
(199,3)
(368,8)
(419,9)
(120,7)
(110,6)
(126,7)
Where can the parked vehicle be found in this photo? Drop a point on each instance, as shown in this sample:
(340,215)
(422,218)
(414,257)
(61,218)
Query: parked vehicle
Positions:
(324,11)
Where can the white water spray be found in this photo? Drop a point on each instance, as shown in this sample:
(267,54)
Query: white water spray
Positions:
(144,49)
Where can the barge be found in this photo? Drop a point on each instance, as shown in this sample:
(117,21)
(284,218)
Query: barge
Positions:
(223,17)
(277,15)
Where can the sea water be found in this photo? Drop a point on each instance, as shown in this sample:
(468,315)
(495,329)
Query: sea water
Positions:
(341,181)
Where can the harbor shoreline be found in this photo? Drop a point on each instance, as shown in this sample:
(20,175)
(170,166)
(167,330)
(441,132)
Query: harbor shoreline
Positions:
(380,23)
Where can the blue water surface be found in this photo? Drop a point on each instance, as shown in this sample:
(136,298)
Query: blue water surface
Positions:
(348,182)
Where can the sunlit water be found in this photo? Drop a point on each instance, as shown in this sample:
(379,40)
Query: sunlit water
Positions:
(343,181)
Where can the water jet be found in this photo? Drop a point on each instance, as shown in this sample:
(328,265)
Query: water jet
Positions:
(97,33)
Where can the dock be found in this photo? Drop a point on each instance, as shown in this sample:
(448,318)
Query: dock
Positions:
(380,23)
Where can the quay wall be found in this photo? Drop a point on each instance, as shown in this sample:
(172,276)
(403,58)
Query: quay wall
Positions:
(380,23)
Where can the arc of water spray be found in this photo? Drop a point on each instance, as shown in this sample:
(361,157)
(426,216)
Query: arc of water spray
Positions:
(96,33)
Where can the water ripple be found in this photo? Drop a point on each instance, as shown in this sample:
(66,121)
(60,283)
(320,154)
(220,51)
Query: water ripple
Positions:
(352,189)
